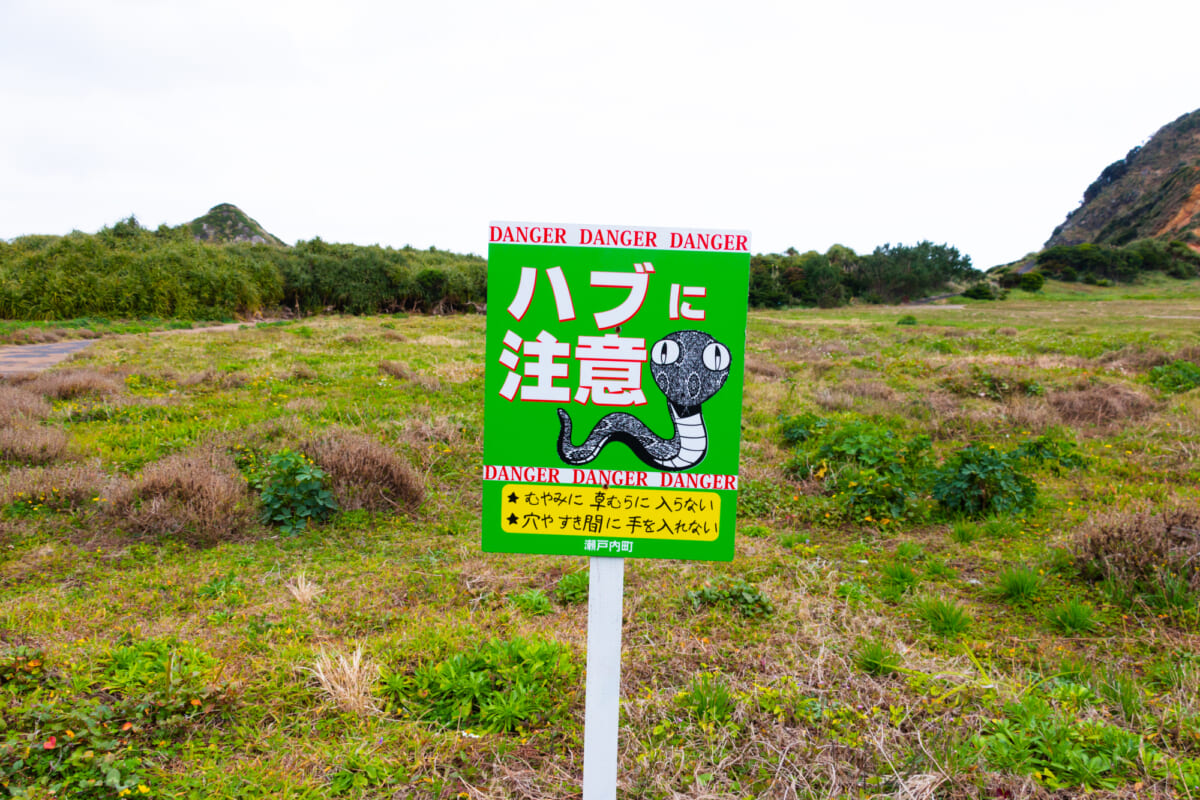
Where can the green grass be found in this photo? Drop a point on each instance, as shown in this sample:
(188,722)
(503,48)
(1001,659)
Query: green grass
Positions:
(809,643)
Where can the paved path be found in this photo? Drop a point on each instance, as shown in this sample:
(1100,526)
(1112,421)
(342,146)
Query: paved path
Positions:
(37,357)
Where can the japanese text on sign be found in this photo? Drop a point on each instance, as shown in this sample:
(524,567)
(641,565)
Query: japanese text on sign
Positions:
(618,513)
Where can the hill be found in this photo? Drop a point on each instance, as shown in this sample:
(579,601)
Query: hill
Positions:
(226,223)
(1151,193)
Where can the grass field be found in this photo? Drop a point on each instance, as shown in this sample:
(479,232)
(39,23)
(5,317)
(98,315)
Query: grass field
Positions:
(1004,609)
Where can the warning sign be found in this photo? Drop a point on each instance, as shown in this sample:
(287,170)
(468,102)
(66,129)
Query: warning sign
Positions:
(613,390)
(629,513)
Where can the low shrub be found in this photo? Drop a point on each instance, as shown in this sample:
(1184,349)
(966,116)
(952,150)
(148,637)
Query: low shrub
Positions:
(364,473)
(982,480)
(292,492)
(534,602)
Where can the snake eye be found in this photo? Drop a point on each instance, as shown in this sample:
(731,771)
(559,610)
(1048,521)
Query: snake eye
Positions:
(665,351)
(716,357)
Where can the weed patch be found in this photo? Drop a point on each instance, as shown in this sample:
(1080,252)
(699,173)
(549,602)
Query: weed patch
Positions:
(499,686)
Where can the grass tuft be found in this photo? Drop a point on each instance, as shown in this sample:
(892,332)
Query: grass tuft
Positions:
(347,681)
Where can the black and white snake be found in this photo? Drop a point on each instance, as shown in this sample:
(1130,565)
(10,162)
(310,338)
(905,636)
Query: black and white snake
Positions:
(689,367)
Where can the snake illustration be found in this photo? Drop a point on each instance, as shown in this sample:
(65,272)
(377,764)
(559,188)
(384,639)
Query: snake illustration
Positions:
(689,367)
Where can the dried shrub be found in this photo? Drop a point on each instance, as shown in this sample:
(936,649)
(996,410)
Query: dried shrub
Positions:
(1138,548)
(393,336)
(871,390)
(72,383)
(1104,404)
(61,488)
(198,496)
(1030,414)
(1133,359)
(833,399)
(458,371)
(306,405)
(32,444)
(365,473)
(757,365)
(401,372)
(303,372)
(1190,353)
(17,403)
(1006,331)
(213,377)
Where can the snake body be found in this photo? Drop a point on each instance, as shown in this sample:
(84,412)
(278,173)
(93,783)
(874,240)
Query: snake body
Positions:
(689,367)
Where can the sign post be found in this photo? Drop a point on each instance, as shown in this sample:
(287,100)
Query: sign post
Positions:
(613,392)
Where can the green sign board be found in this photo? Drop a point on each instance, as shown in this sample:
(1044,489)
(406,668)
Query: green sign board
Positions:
(613,390)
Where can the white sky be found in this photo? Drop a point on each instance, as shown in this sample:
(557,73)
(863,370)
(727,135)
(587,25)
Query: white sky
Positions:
(808,124)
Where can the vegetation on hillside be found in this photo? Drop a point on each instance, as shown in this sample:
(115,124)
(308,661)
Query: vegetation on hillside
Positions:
(1151,193)
(247,565)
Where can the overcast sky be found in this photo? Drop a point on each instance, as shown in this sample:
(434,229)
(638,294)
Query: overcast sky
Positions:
(808,124)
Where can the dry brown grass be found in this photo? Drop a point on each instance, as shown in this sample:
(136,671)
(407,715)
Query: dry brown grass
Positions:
(32,444)
(1133,359)
(401,372)
(17,403)
(63,487)
(833,399)
(1191,353)
(869,390)
(1006,331)
(71,383)
(197,496)
(213,377)
(347,680)
(757,365)
(302,589)
(365,473)
(1139,547)
(1101,405)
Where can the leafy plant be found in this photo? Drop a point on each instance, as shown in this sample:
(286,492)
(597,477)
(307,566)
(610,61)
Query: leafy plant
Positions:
(572,588)
(743,597)
(981,480)
(1176,377)
(293,492)
(499,686)
(907,319)
(533,601)
(707,700)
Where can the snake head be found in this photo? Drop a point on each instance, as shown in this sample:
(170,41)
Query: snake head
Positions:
(689,367)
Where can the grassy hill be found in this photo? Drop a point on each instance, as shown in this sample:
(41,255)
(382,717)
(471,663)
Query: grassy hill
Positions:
(1036,637)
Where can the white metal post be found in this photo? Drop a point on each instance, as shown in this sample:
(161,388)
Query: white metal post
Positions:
(602,698)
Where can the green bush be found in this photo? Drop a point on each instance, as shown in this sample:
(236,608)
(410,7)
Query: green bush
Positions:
(977,481)
(293,492)
(1032,282)
(907,319)
(1176,377)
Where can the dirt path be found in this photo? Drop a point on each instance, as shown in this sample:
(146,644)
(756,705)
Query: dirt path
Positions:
(37,357)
